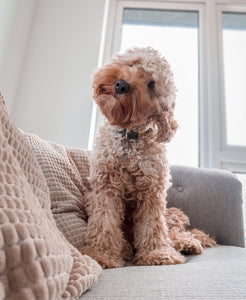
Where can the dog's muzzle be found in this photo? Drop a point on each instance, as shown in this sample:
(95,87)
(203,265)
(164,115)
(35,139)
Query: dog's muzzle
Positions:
(122,87)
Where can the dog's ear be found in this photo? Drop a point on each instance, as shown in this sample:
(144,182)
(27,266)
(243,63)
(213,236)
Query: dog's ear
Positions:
(166,125)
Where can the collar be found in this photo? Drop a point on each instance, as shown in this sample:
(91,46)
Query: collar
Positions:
(130,135)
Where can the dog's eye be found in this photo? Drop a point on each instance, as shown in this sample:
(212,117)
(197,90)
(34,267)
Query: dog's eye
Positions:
(151,84)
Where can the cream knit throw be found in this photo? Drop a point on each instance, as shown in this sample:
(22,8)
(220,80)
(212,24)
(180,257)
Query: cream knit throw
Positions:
(36,260)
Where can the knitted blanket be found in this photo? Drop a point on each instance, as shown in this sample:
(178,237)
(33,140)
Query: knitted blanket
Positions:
(36,260)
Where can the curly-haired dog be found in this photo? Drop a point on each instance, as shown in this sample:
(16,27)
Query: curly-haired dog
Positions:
(129,172)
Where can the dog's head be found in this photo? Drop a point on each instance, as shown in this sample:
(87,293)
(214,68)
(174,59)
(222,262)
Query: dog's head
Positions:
(137,88)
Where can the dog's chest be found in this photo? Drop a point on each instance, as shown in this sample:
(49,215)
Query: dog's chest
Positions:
(135,159)
(126,163)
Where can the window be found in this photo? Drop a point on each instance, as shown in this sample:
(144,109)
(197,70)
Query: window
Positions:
(216,35)
(169,31)
(234,49)
(232,30)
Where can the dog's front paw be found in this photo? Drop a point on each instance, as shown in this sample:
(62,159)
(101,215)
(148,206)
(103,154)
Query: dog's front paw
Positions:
(105,259)
(163,256)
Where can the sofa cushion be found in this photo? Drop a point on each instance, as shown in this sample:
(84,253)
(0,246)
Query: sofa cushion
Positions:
(219,273)
(66,171)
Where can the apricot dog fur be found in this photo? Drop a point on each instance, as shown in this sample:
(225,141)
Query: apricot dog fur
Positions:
(129,172)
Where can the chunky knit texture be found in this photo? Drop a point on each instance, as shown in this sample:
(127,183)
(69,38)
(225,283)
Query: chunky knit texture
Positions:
(66,171)
(36,260)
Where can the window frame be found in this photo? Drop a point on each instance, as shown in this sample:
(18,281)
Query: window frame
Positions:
(214,152)
(232,157)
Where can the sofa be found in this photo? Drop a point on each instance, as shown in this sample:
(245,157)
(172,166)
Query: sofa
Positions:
(213,201)
(43,222)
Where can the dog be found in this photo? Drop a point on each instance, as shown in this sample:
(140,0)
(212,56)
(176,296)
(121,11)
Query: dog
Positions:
(129,173)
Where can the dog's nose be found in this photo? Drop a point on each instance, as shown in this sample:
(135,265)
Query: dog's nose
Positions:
(122,87)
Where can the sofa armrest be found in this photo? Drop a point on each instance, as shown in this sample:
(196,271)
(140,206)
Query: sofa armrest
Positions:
(212,199)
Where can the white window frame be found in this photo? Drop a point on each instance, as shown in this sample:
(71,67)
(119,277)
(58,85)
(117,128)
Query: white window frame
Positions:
(231,157)
(214,152)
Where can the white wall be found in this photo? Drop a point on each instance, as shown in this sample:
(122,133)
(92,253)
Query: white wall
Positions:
(15,25)
(53,97)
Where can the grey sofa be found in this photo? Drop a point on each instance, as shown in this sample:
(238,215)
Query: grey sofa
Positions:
(213,201)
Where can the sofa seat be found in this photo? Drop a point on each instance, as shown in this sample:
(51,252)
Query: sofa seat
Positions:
(219,273)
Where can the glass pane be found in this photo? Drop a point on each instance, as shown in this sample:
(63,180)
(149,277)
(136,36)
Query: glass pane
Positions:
(242,178)
(175,35)
(234,45)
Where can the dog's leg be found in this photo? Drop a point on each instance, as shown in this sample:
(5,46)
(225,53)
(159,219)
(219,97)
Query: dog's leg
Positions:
(183,240)
(176,218)
(104,239)
(151,238)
